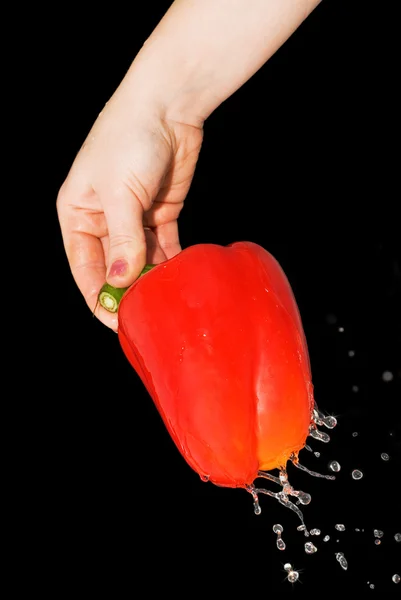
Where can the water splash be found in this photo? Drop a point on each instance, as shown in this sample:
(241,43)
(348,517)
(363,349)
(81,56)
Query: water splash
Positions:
(319,435)
(281,496)
(295,461)
(318,418)
(256,506)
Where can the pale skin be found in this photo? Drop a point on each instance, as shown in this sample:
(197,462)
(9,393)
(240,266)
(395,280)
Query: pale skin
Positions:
(119,205)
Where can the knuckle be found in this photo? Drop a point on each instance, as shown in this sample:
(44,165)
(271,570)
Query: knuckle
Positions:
(142,193)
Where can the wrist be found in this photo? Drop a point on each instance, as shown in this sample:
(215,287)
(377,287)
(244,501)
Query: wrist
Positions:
(202,52)
(174,90)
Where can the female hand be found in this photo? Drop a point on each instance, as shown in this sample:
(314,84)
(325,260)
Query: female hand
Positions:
(119,205)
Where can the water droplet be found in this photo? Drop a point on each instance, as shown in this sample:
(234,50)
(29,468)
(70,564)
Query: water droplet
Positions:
(310,548)
(317,454)
(204,477)
(302,528)
(319,435)
(342,560)
(288,567)
(256,508)
(351,353)
(397,537)
(340,527)
(356,474)
(334,466)
(278,529)
(304,498)
(330,421)
(377,542)
(326,538)
(341,329)
(356,529)
(355,388)
(387,376)
(280,543)
(384,456)
(372,586)
(396,578)
(308,448)
(355,434)
(378,533)
(315,531)
(293,576)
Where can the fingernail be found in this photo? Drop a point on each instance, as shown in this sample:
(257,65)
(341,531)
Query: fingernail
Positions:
(119,267)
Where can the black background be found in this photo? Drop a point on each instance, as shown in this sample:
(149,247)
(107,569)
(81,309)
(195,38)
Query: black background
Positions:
(302,160)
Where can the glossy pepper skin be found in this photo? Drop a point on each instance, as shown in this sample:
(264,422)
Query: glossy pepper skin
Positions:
(216,337)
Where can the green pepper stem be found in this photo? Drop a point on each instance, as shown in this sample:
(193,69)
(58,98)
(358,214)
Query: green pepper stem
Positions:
(109,296)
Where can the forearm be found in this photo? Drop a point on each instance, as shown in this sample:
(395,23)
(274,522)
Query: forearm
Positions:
(202,51)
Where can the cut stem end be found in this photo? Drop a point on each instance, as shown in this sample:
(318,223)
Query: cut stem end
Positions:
(110,297)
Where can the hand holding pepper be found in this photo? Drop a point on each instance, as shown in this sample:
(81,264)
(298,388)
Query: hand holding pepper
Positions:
(119,205)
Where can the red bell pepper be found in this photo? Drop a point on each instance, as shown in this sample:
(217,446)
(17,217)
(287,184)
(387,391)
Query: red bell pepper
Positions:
(216,337)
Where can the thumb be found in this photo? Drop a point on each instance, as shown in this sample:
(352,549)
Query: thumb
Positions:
(127,243)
